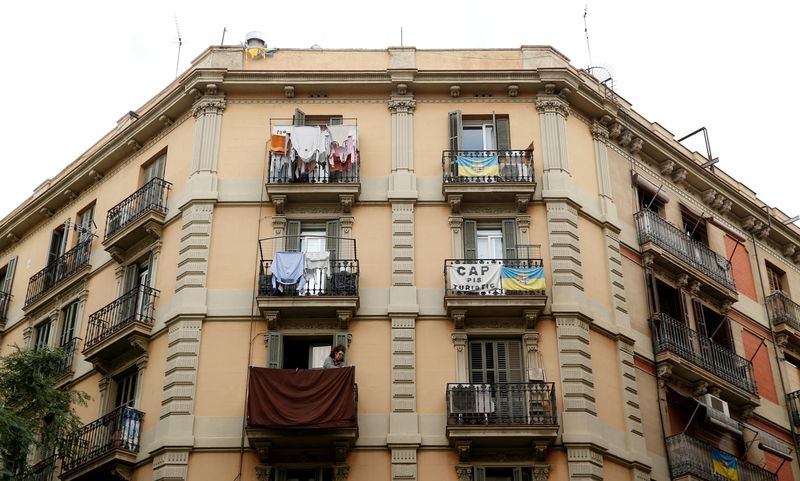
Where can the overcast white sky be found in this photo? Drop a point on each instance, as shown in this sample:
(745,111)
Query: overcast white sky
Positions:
(72,69)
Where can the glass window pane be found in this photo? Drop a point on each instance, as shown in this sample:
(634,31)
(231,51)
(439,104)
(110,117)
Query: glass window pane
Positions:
(318,355)
(488,137)
(473,138)
(483,248)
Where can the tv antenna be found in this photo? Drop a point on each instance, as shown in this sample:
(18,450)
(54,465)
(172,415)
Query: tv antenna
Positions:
(586,31)
(180,43)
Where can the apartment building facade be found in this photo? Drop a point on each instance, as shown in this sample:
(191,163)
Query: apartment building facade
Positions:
(531,281)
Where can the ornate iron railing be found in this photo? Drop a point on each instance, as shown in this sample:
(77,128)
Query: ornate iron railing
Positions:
(332,270)
(526,403)
(485,277)
(676,337)
(782,310)
(119,429)
(58,270)
(691,457)
(5,299)
(44,470)
(136,305)
(653,228)
(69,349)
(793,403)
(152,196)
(487,166)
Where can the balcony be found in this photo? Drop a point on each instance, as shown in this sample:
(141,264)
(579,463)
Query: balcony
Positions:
(502,414)
(308,276)
(691,459)
(311,413)
(139,217)
(44,470)
(494,287)
(324,178)
(694,358)
(102,447)
(675,252)
(61,273)
(122,327)
(785,315)
(488,175)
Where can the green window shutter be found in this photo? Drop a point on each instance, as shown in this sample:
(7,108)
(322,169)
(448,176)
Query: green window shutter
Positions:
(502,134)
(340,338)
(9,278)
(509,228)
(477,362)
(293,236)
(478,473)
(332,238)
(155,169)
(299,117)
(470,233)
(517,474)
(456,129)
(275,355)
(131,277)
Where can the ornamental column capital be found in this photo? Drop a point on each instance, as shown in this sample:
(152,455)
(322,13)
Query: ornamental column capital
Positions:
(552,105)
(402,105)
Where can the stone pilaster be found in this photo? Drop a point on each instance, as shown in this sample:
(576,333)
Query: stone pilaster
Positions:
(553,112)
(402,183)
(615,278)
(404,464)
(170,465)
(403,294)
(460,344)
(585,464)
(456,238)
(207,111)
(565,251)
(600,141)
(630,394)
(194,247)
(530,343)
(575,357)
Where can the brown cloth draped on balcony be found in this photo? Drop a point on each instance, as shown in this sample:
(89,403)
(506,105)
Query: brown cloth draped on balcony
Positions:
(301,399)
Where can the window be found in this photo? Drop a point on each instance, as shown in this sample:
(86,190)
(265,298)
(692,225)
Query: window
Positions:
(84,227)
(68,326)
(58,244)
(302,352)
(126,390)
(776,278)
(669,301)
(313,236)
(300,118)
(42,335)
(479,132)
(694,227)
(6,278)
(490,241)
(154,169)
(650,201)
(713,325)
(495,371)
(481,473)
(304,474)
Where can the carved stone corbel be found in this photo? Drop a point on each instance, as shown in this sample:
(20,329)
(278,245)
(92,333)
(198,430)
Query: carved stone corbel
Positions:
(636,146)
(714,391)
(122,472)
(522,201)
(530,316)
(263,472)
(694,288)
(615,130)
(539,451)
(625,138)
(94,175)
(459,317)
(166,121)
(463,472)
(664,373)
(262,449)
(46,212)
(682,280)
(343,319)
(541,472)
(781,340)
(648,260)
(69,194)
(513,90)
(699,388)
(117,253)
(726,206)
(12,237)
(747,412)
(402,89)
(133,144)
(789,250)
(288,91)
(455,91)
(272,319)
(667,166)
(462,447)
(346,201)
(340,451)
(279,201)
(455,203)
(679,175)
(709,195)
(718,201)
(340,472)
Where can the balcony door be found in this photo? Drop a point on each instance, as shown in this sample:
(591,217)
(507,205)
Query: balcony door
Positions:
(489,242)
(302,352)
(478,132)
(496,374)
(136,277)
(153,170)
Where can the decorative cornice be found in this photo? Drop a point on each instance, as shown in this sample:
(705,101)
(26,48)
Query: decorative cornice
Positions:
(599,132)
(552,105)
(402,105)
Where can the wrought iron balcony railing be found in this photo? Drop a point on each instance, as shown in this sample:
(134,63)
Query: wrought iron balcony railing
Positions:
(136,305)
(117,430)
(653,228)
(308,265)
(69,349)
(152,196)
(5,299)
(674,336)
(58,270)
(44,470)
(782,310)
(487,166)
(341,166)
(493,277)
(691,457)
(793,403)
(523,403)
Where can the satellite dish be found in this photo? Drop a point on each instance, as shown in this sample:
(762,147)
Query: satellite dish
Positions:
(604,75)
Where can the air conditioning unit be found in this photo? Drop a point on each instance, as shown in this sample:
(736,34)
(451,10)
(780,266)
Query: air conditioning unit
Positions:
(717,414)
(536,374)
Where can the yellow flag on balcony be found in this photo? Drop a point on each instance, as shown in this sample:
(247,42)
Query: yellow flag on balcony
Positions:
(724,464)
(478,166)
(522,279)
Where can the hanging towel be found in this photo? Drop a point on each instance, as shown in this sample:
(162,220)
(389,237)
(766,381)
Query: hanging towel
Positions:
(287,269)
(317,262)
(340,133)
(306,141)
(277,143)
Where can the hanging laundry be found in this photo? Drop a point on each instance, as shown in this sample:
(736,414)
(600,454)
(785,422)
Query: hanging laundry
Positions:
(287,269)
(307,142)
(340,133)
(317,270)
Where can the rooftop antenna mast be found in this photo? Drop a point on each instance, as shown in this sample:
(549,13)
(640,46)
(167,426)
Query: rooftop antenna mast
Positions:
(180,43)
(224,29)
(401,35)
(586,31)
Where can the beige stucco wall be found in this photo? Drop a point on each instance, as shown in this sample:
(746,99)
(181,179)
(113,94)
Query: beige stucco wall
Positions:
(368,465)
(371,230)
(436,364)
(595,263)
(370,353)
(582,157)
(437,465)
(233,258)
(222,368)
(432,242)
(608,383)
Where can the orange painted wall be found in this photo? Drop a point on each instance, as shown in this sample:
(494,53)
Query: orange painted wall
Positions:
(609,390)
(370,465)
(143,473)
(437,465)
(740,266)
(761,366)
(615,471)
(436,364)
(370,353)
(559,470)
(222,371)
(431,223)
(374,257)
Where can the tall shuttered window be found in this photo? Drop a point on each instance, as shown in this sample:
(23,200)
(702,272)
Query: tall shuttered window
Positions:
(42,335)
(775,277)
(313,237)
(484,473)
(126,390)
(479,132)
(489,242)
